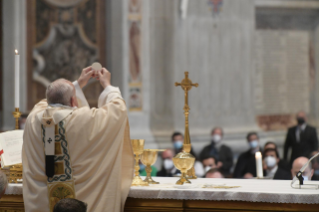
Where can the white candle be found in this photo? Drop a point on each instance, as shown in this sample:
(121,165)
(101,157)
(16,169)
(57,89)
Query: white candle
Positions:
(259,165)
(16,79)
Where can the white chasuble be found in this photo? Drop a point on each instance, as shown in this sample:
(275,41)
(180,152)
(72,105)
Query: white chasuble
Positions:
(93,157)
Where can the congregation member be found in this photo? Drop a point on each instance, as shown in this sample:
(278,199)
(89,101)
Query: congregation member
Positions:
(209,162)
(273,171)
(143,170)
(283,164)
(178,141)
(302,139)
(168,168)
(68,145)
(220,151)
(70,205)
(246,163)
(3,183)
(214,173)
(315,166)
(298,164)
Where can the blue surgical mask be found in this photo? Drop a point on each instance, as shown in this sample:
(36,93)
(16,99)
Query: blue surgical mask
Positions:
(253,144)
(178,144)
(142,167)
(316,172)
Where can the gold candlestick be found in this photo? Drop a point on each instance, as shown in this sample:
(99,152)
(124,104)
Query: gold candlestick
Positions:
(16,114)
(138,148)
(187,85)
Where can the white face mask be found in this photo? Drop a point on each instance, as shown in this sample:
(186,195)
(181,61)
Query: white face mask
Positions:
(270,161)
(168,164)
(216,138)
(305,178)
(207,168)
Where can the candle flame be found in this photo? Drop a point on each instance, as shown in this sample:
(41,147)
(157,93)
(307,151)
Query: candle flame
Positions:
(16,51)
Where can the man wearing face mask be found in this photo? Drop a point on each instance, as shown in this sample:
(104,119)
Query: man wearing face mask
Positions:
(271,160)
(219,151)
(296,166)
(178,141)
(209,162)
(246,163)
(302,139)
(168,168)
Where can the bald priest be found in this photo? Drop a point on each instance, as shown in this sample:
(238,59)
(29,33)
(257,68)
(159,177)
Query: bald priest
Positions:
(72,151)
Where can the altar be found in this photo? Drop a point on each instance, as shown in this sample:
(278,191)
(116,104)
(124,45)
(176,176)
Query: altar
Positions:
(251,195)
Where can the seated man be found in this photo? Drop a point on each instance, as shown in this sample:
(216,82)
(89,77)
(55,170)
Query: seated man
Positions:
(143,170)
(178,141)
(282,163)
(168,168)
(298,164)
(220,151)
(214,173)
(3,183)
(246,163)
(271,160)
(209,162)
(70,205)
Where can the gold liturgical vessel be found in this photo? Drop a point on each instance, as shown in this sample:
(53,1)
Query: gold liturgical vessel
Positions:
(187,85)
(148,158)
(138,148)
(183,161)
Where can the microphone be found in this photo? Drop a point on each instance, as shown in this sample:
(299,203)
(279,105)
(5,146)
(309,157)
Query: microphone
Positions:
(299,174)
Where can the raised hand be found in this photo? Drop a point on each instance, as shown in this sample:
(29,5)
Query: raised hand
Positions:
(86,74)
(105,77)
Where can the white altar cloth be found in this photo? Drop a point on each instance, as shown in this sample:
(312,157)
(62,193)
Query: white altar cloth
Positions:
(271,191)
(252,190)
(14,189)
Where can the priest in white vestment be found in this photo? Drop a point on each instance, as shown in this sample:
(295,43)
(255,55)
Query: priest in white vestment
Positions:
(91,159)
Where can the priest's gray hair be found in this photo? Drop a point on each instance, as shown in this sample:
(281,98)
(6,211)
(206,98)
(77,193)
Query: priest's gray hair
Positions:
(3,181)
(60,92)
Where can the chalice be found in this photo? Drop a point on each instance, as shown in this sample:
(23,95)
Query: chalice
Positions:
(183,161)
(138,148)
(148,158)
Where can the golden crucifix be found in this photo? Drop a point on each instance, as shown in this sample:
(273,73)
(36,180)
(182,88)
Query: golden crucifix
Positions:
(187,85)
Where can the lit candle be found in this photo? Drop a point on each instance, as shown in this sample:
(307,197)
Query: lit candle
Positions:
(16,79)
(259,165)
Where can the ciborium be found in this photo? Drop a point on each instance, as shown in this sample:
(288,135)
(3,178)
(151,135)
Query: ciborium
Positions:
(138,148)
(183,161)
(148,158)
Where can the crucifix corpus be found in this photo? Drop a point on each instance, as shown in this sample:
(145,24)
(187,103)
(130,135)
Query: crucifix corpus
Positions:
(187,85)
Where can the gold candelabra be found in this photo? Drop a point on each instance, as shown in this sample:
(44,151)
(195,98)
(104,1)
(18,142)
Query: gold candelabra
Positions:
(17,114)
(187,85)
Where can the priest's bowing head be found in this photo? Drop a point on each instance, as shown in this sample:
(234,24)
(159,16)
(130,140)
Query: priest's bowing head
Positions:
(62,92)
(72,149)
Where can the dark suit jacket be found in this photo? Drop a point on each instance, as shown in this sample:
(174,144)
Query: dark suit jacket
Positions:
(308,143)
(163,173)
(282,175)
(246,163)
(225,155)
